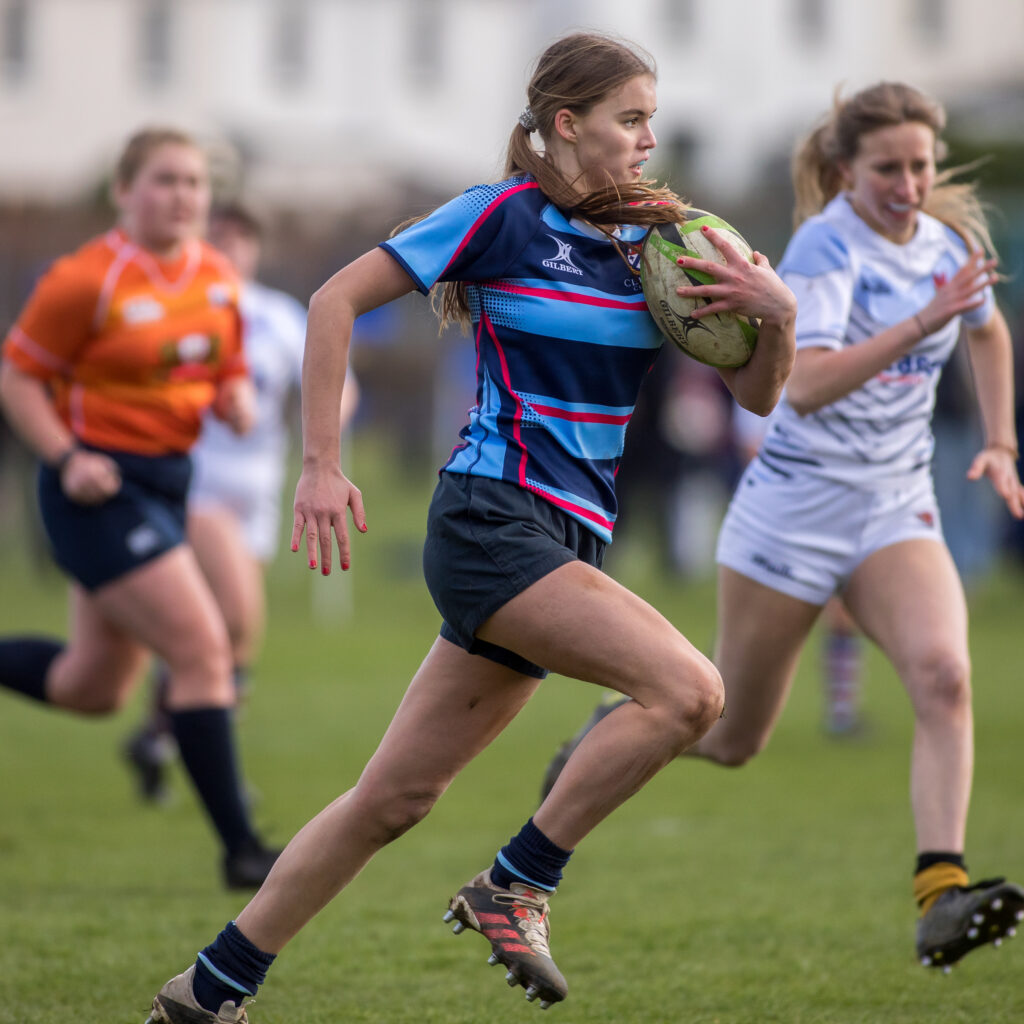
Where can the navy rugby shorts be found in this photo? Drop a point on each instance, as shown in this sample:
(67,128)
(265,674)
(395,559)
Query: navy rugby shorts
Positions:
(96,544)
(487,541)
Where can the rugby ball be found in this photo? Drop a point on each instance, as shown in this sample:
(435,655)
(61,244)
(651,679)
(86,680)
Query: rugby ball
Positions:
(722,339)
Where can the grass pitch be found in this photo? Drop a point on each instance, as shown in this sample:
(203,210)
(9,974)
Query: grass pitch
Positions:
(780,892)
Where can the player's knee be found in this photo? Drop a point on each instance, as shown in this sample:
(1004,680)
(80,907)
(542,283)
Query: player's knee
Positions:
(399,812)
(731,751)
(203,667)
(96,704)
(696,703)
(942,684)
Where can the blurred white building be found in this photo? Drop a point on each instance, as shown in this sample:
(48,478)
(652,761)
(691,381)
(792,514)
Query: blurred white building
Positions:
(332,103)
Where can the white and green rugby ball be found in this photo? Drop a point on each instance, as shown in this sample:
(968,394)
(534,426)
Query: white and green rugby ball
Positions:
(722,339)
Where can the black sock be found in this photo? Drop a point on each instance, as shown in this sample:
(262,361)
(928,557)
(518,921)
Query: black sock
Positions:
(231,967)
(25,662)
(926,860)
(206,741)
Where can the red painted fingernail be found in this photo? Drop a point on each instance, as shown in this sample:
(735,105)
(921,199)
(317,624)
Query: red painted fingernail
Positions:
(295,547)
(705,228)
(312,563)
(363,528)
(323,571)
(344,566)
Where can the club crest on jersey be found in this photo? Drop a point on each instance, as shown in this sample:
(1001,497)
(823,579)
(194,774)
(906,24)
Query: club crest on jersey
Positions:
(142,310)
(562,260)
(193,348)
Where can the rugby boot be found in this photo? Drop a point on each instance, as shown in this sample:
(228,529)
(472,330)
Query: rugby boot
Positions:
(175,1004)
(248,867)
(965,917)
(564,752)
(515,922)
(148,755)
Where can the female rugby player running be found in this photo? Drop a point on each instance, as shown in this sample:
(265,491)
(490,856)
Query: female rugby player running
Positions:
(540,264)
(106,374)
(887,265)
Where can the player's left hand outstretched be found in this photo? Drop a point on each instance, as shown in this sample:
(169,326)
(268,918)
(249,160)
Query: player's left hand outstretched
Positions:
(322,499)
(740,286)
(999,464)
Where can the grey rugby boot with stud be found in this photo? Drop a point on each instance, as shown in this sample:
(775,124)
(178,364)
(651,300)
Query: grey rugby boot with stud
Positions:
(965,917)
(515,922)
(564,752)
(175,1004)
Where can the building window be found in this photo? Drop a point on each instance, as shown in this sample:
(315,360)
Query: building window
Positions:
(15,27)
(426,32)
(289,53)
(680,17)
(810,22)
(931,20)
(155,44)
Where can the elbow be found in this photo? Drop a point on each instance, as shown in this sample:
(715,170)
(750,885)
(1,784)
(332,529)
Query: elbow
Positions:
(760,406)
(801,402)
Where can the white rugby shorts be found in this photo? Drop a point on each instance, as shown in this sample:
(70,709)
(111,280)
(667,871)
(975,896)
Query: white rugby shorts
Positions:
(805,535)
(255,501)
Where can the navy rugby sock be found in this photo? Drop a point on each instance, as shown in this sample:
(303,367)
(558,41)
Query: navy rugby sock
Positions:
(205,738)
(532,858)
(25,662)
(231,967)
(930,857)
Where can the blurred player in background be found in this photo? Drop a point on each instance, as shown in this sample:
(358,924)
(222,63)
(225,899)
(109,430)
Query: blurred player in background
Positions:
(234,500)
(887,263)
(120,349)
(540,264)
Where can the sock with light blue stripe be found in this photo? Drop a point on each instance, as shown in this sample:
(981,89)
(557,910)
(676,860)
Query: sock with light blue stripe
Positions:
(231,967)
(532,858)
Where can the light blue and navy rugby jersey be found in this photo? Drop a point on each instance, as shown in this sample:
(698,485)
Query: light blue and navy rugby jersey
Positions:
(563,341)
(850,284)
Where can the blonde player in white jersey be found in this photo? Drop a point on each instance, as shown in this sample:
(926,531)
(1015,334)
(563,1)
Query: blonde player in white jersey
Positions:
(234,499)
(888,267)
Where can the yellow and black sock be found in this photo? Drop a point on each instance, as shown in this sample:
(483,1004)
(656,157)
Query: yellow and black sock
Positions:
(935,873)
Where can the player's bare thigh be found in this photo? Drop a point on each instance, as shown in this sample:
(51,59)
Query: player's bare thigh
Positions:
(761,632)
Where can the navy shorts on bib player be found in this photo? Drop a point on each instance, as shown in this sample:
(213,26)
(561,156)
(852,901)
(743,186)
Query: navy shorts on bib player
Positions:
(487,541)
(96,544)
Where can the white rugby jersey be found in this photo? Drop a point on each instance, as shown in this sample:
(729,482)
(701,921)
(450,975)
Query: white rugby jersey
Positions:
(274,335)
(850,284)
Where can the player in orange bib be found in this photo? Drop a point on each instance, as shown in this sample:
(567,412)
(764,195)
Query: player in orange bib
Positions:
(120,349)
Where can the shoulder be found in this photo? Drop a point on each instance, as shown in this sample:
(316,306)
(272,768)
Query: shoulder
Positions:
(820,245)
(80,275)
(513,196)
(262,303)
(939,231)
(91,261)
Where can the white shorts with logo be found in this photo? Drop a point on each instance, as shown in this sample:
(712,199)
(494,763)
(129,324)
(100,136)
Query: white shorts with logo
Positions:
(805,535)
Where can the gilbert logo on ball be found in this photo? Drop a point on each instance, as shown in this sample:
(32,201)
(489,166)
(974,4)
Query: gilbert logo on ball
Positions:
(722,339)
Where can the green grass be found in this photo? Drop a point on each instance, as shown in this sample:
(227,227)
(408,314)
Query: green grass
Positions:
(777,893)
